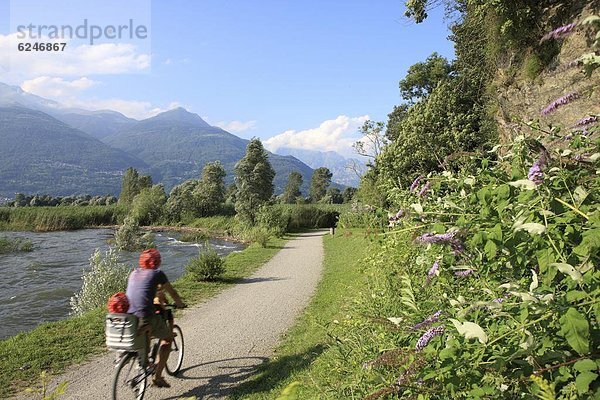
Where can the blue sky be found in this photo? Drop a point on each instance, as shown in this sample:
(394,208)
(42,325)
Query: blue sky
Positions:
(258,68)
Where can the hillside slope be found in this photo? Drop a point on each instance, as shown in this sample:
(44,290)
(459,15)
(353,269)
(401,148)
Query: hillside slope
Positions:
(177,144)
(40,154)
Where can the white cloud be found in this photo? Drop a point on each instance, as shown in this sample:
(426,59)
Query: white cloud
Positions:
(68,94)
(332,135)
(236,126)
(75,60)
(57,88)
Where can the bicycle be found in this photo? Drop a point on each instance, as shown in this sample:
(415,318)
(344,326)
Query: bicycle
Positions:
(134,365)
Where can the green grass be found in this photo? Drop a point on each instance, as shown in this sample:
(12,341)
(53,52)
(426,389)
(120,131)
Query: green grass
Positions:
(59,218)
(223,225)
(298,357)
(53,346)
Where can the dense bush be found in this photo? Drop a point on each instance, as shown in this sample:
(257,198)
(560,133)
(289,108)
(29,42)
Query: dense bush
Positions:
(489,279)
(8,245)
(258,234)
(207,266)
(148,206)
(274,219)
(130,237)
(310,216)
(104,278)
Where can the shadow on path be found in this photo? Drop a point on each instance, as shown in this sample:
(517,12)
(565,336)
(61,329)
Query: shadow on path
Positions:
(238,281)
(272,372)
(259,374)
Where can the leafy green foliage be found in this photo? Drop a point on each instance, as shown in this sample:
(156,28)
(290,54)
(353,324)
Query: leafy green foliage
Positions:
(423,77)
(292,189)
(148,206)
(207,266)
(105,277)
(445,123)
(254,180)
(319,183)
(8,245)
(42,391)
(516,289)
(211,190)
(132,184)
(130,237)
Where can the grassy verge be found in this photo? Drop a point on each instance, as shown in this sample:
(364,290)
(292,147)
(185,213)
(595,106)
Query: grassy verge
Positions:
(299,357)
(53,346)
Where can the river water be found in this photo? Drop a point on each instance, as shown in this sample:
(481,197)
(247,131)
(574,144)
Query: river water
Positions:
(36,286)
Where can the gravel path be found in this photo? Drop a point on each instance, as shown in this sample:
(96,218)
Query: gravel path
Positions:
(229,335)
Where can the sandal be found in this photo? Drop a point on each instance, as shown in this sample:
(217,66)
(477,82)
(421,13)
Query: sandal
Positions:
(160,382)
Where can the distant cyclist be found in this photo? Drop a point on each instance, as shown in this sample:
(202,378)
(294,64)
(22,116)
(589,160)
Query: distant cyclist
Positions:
(142,286)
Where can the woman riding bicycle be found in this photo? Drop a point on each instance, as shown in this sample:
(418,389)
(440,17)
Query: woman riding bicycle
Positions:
(142,286)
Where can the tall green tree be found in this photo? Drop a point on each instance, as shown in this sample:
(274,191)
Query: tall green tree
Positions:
(292,188)
(182,202)
(348,194)
(254,180)
(422,77)
(319,183)
(210,193)
(132,184)
(148,206)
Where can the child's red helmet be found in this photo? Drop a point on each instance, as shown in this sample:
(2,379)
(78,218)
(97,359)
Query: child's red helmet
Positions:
(150,259)
(118,303)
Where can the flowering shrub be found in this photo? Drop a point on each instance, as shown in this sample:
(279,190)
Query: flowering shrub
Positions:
(104,278)
(520,299)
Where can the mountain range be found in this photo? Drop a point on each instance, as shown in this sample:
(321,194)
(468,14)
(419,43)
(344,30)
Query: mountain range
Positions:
(48,148)
(345,171)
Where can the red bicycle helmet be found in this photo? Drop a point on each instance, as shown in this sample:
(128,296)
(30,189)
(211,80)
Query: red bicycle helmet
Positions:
(150,259)
(118,303)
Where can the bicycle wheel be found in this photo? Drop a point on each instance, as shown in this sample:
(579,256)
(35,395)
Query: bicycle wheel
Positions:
(176,356)
(130,379)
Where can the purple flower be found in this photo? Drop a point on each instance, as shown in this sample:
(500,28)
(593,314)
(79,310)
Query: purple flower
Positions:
(535,173)
(501,299)
(587,121)
(395,218)
(434,268)
(440,238)
(428,321)
(415,183)
(427,336)
(559,33)
(566,99)
(465,273)
(424,190)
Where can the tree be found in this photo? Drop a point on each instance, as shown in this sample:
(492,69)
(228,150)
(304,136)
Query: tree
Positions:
(423,77)
(210,193)
(132,184)
(319,183)
(394,120)
(254,180)
(292,189)
(333,196)
(147,206)
(373,140)
(348,194)
(182,201)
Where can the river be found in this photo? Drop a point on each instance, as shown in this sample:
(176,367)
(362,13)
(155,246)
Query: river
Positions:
(36,286)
